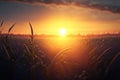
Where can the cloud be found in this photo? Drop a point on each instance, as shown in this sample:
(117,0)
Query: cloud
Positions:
(107,5)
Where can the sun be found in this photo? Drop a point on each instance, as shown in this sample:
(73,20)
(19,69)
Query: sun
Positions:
(62,32)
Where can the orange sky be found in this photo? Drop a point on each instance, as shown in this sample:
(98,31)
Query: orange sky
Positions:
(76,20)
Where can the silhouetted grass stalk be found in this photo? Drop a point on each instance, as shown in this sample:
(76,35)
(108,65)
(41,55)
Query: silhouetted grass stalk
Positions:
(1,26)
(58,55)
(10,54)
(8,49)
(111,62)
(9,31)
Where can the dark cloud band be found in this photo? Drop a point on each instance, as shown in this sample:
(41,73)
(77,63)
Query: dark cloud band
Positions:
(108,5)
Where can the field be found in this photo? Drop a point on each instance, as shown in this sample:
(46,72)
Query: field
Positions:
(59,58)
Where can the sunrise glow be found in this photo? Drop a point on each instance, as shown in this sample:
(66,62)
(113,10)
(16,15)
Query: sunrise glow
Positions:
(63,32)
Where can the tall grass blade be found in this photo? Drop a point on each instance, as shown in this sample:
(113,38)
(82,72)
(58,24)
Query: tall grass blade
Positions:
(1,26)
(100,56)
(113,59)
(32,33)
(7,53)
(1,23)
(8,49)
(60,53)
(27,49)
(11,28)
(31,29)
(92,52)
(32,51)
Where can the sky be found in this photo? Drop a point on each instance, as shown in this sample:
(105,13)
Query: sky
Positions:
(49,16)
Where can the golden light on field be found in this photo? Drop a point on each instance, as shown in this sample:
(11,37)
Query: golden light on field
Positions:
(63,32)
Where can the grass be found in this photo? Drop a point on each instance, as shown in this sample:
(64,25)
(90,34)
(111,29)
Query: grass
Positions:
(110,63)
(9,51)
(58,56)
(1,27)
(36,62)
